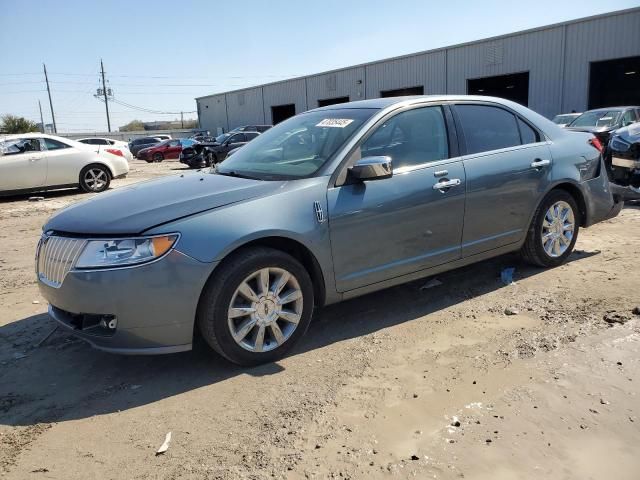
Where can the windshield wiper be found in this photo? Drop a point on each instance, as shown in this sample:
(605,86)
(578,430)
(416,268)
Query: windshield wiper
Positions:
(233,173)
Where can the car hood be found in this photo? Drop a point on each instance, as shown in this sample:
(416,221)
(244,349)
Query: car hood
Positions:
(139,207)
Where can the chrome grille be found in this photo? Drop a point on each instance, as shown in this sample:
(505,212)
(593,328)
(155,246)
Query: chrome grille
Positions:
(55,257)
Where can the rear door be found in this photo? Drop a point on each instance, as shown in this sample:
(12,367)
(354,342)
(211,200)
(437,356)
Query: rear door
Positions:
(507,165)
(386,228)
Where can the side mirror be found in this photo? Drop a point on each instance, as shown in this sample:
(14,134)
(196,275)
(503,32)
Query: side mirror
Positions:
(372,168)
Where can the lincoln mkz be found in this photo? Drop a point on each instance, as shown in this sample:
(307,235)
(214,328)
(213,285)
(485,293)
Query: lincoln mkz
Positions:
(331,204)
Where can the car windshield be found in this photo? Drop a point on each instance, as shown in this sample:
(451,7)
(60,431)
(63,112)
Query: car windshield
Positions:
(296,148)
(597,118)
(223,137)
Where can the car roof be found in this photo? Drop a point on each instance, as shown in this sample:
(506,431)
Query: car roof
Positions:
(609,109)
(34,135)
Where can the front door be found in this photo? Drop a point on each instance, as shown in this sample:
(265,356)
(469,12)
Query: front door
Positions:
(507,166)
(382,229)
(23,165)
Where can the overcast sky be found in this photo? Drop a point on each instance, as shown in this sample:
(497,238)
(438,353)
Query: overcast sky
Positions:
(159,55)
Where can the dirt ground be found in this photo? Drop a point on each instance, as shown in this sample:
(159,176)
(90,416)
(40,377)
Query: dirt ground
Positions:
(404,383)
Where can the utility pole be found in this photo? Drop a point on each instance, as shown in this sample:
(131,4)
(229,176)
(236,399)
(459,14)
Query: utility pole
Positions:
(53,117)
(182,119)
(41,118)
(106,102)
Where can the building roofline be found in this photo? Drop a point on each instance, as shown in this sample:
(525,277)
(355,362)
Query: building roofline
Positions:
(434,50)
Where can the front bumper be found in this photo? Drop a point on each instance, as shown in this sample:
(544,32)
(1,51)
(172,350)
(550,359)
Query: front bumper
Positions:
(154,304)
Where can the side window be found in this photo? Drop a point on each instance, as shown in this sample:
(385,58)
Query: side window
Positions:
(628,118)
(487,128)
(237,138)
(17,146)
(527,134)
(410,138)
(52,144)
(251,136)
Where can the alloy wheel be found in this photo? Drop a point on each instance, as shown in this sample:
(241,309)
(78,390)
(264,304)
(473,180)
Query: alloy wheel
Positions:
(265,309)
(95,179)
(558,228)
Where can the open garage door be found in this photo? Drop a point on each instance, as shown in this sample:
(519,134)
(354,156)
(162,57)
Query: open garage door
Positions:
(279,113)
(614,83)
(513,87)
(401,92)
(332,101)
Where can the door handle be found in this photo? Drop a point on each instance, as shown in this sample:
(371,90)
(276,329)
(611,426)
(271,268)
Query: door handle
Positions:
(537,163)
(447,184)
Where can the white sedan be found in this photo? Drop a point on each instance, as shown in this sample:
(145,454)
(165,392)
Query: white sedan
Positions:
(35,161)
(115,144)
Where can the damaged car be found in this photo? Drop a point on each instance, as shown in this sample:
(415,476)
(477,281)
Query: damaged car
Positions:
(623,160)
(601,122)
(205,154)
(326,206)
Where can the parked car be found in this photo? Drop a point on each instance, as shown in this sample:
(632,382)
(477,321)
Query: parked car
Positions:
(167,149)
(138,144)
(205,154)
(251,128)
(368,195)
(624,159)
(33,162)
(565,119)
(601,122)
(122,146)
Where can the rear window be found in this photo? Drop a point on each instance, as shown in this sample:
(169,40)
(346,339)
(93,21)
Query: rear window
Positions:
(488,128)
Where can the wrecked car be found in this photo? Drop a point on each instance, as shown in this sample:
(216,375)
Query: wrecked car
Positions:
(623,158)
(329,205)
(602,121)
(207,153)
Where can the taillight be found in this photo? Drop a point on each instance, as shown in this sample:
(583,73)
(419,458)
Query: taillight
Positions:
(596,143)
(115,151)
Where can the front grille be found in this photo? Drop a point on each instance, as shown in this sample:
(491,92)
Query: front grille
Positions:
(55,257)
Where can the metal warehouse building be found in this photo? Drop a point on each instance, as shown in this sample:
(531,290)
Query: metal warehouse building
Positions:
(572,66)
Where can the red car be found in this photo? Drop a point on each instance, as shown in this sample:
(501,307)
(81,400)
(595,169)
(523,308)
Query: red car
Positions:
(162,150)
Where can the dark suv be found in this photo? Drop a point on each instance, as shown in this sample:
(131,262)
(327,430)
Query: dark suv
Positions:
(138,144)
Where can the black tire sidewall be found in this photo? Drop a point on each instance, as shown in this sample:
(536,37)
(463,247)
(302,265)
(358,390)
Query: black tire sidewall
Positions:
(158,157)
(218,297)
(553,197)
(85,187)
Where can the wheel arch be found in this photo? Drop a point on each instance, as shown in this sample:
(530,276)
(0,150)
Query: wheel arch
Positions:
(297,250)
(577,194)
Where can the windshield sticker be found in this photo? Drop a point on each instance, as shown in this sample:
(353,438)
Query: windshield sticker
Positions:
(335,122)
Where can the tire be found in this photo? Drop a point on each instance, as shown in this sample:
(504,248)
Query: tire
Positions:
(158,157)
(222,294)
(558,245)
(95,178)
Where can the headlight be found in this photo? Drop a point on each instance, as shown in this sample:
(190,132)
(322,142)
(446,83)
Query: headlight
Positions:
(619,144)
(124,251)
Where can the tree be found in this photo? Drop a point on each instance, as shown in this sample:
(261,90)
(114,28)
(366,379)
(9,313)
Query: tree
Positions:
(132,126)
(13,124)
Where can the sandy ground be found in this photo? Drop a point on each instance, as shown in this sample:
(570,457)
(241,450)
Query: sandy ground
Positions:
(404,383)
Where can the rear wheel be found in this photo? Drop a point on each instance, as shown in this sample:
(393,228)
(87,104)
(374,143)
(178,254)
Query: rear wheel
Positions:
(95,178)
(158,157)
(256,307)
(554,230)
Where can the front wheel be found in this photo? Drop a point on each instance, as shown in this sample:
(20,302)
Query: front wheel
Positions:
(256,306)
(95,178)
(554,230)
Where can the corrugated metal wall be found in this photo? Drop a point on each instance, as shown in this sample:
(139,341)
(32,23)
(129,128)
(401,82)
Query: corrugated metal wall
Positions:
(539,53)
(617,36)
(557,59)
(343,83)
(212,112)
(245,107)
(426,70)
